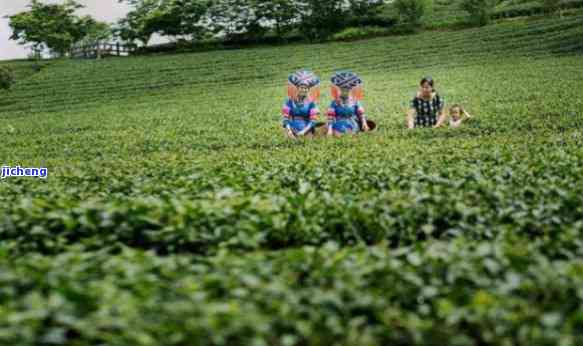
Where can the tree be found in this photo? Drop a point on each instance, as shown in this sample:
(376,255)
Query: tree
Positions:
(95,31)
(480,10)
(279,14)
(53,26)
(365,8)
(235,18)
(164,17)
(241,19)
(319,19)
(134,26)
(411,12)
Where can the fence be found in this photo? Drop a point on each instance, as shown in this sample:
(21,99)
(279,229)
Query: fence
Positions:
(99,50)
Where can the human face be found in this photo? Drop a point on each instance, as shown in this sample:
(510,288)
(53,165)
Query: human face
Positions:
(303,92)
(455,113)
(426,90)
(344,93)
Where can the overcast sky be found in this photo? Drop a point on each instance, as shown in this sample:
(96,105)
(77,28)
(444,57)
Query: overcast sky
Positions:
(104,10)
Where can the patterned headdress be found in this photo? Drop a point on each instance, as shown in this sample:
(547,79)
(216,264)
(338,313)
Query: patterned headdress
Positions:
(303,78)
(347,80)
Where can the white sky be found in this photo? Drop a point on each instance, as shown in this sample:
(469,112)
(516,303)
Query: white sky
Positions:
(103,10)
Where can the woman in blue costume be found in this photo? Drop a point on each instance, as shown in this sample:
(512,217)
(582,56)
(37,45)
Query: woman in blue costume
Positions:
(346,114)
(300,110)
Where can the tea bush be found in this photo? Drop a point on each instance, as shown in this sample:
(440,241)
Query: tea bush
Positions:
(176,213)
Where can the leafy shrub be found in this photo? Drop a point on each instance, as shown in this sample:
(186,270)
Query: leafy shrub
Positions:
(6,77)
(536,8)
(443,293)
(184,204)
(412,12)
(355,33)
(375,21)
(480,10)
(550,6)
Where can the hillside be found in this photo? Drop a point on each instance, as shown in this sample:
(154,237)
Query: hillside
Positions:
(176,213)
(448,13)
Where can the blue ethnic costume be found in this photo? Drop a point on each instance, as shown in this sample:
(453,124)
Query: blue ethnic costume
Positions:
(301,111)
(346,113)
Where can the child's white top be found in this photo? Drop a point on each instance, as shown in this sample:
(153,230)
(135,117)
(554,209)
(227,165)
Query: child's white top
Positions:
(455,123)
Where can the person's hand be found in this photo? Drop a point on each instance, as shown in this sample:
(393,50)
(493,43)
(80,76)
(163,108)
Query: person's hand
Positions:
(365,127)
(290,133)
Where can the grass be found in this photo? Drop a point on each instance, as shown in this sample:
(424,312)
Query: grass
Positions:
(176,213)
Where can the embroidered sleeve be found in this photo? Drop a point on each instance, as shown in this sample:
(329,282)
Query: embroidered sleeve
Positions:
(314,112)
(286,113)
(286,110)
(331,112)
(359,109)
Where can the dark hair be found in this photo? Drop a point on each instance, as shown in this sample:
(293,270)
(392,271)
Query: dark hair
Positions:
(429,80)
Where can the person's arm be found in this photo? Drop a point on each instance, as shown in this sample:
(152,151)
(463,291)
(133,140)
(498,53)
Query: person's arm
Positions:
(441,112)
(331,119)
(441,119)
(412,113)
(465,116)
(285,112)
(411,118)
(314,112)
(361,115)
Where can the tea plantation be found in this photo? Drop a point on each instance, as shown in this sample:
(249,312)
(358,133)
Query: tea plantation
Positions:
(176,213)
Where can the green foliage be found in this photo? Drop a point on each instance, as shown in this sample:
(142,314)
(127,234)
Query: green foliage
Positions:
(6,77)
(412,12)
(551,6)
(230,18)
(279,12)
(167,18)
(52,26)
(480,10)
(456,293)
(242,20)
(537,8)
(96,32)
(354,33)
(173,196)
(320,19)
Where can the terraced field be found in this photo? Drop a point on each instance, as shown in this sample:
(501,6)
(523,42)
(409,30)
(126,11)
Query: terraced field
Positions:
(448,13)
(175,213)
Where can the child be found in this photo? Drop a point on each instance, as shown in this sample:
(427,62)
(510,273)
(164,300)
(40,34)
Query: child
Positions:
(457,115)
(300,110)
(346,114)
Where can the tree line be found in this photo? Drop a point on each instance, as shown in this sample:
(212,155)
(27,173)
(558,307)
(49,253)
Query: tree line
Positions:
(314,20)
(56,27)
